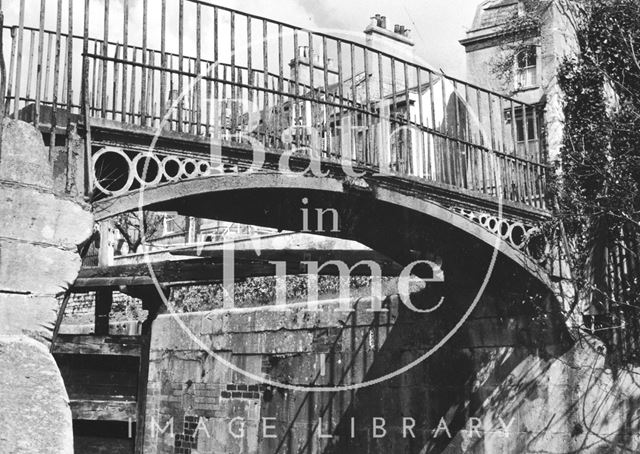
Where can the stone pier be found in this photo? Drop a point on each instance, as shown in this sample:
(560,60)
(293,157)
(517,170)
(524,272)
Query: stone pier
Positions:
(42,220)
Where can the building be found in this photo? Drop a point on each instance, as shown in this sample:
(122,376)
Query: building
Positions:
(515,47)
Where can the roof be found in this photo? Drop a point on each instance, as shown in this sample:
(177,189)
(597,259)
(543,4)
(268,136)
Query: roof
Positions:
(492,13)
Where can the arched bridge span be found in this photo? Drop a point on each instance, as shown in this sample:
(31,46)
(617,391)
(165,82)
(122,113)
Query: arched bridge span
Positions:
(450,153)
(396,217)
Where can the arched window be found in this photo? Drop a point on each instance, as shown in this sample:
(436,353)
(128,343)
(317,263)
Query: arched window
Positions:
(526,68)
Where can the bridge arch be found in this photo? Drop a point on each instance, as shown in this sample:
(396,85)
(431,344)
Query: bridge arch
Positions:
(372,211)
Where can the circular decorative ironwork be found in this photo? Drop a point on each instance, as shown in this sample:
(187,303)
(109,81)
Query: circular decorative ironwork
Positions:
(102,178)
(524,238)
(147,169)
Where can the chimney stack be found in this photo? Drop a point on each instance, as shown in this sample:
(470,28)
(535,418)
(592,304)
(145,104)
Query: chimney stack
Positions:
(315,60)
(389,41)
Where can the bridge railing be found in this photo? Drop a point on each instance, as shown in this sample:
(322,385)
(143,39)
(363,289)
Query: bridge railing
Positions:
(202,69)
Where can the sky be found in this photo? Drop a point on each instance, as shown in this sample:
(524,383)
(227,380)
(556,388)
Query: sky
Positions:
(437,25)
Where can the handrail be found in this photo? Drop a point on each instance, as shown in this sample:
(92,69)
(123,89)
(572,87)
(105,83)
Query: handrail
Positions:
(318,101)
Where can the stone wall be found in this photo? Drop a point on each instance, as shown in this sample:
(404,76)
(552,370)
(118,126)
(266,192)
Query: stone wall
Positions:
(510,381)
(42,221)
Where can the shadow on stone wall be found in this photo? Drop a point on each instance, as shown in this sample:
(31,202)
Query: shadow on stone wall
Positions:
(510,381)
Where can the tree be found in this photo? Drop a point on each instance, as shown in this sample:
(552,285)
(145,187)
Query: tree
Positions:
(132,226)
(597,188)
(599,195)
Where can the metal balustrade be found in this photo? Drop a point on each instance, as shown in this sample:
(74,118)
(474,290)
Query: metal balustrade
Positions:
(201,69)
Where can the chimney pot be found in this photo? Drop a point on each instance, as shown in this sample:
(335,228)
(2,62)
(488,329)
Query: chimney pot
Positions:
(383,22)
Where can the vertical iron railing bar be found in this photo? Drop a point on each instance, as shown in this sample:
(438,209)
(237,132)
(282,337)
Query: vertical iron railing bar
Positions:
(19,59)
(265,72)
(36,117)
(250,91)
(353,134)
(95,78)
(70,183)
(395,115)
(445,130)
(421,152)
(216,89)
(503,126)
(406,133)
(281,101)
(56,72)
(437,150)
(340,133)
(536,177)
(12,67)
(469,152)
(296,108)
(208,66)
(144,96)
(503,140)
(32,35)
(366,118)
(312,64)
(233,86)
(381,114)
(525,166)
(433,102)
(125,43)
(65,64)
(86,108)
(327,121)
(151,87)
(194,84)
(494,143)
(116,80)
(47,75)
(178,97)
(311,135)
(514,140)
(132,111)
(105,52)
(456,133)
(482,140)
(198,71)
(163,61)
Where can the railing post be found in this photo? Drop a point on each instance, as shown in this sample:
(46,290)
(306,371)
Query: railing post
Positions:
(69,80)
(36,118)
(3,78)
(88,170)
(16,104)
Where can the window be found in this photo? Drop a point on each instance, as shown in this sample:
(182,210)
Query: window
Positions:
(171,224)
(527,145)
(532,133)
(526,71)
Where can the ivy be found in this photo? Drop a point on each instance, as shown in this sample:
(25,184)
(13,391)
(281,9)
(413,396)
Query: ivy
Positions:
(599,192)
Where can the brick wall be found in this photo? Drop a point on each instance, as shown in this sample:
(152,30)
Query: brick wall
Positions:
(81,307)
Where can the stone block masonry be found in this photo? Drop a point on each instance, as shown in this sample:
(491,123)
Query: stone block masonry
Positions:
(40,228)
(508,382)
